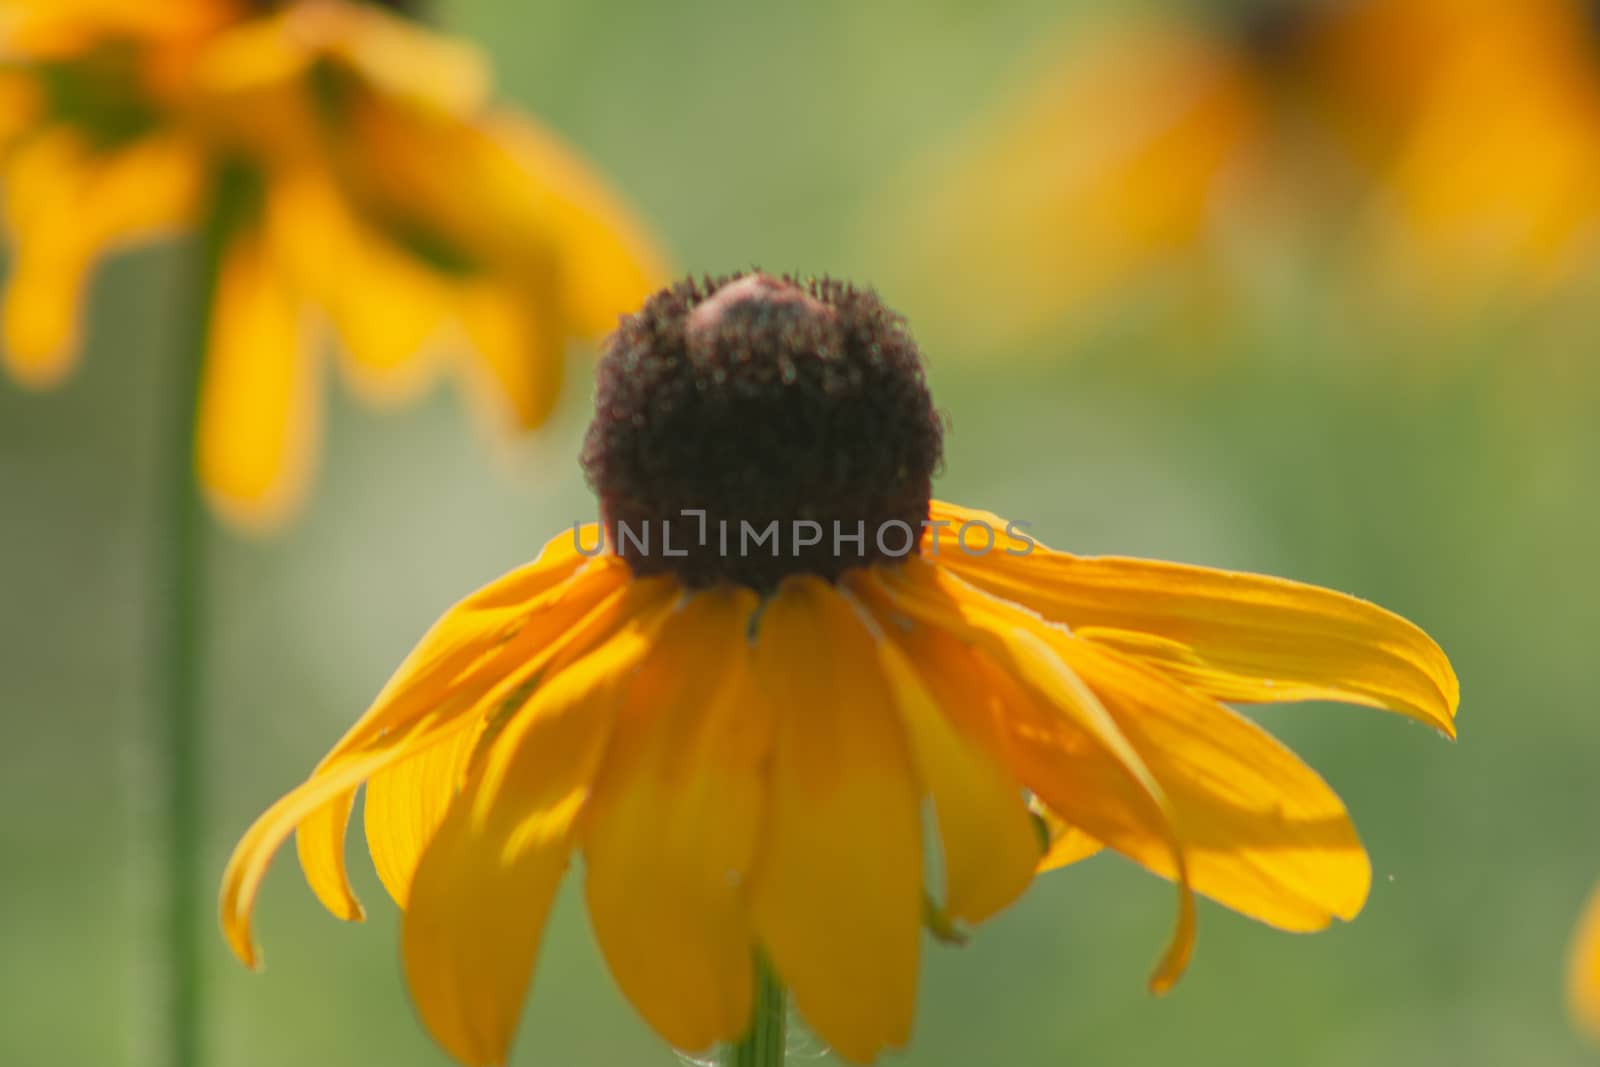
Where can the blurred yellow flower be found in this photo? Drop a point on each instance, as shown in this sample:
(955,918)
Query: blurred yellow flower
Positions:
(1583,969)
(1196,152)
(741,742)
(369,185)
(1164,147)
(1495,187)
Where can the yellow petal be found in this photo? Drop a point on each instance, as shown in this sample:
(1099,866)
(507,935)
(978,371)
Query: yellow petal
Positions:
(479,631)
(58,28)
(387,309)
(484,886)
(671,831)
(241,880)
(23,102)
(1259,831)
(991,846)
(486,678)
(66,206)
(1079,779)
(521,359)
(260,405)
(1062,743)
(537,250)
(420,707)
(1262,832)
(837,892)
(609,263)
(503,293)
(405,804)
(1583,970)
(1232,636)
(397,57)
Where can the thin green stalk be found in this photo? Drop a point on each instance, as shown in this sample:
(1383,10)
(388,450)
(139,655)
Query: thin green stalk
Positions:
(767,1040)
(177,596)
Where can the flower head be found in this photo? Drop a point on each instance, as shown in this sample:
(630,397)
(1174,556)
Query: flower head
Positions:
(739,735)
(822,391)
(363,182)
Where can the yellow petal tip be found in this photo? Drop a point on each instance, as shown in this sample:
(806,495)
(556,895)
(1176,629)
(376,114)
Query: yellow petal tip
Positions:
(244,950)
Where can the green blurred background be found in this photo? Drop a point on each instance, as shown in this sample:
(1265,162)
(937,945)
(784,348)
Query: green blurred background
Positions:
(1453,485)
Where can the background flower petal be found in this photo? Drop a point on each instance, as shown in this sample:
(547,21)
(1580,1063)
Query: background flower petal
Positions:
(260,395)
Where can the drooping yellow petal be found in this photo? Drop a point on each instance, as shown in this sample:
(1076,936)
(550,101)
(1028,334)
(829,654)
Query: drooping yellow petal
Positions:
(405,804)
(479,627)
(990,843)
(396,56)
(260,400)
(1062,743)
(386,307)
(536,211)
(54,28)
(1259,831)
(837,892)
(241,879)
(23,102)
(609,264)
(671,831)
(521,364)
(425,701)
(65,206)
(1583,969)
(1232,636)
(1262,832)
(1078,779)
(538,222)
(488,677)
(483,887)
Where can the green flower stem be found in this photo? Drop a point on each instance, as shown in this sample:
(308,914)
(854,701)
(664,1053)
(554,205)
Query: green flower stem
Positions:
(767,1040)
(177,586)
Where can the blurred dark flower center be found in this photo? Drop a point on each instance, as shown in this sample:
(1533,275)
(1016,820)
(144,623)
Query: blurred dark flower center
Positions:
(752,427)
(409,8)
(1270,31)
(100,94)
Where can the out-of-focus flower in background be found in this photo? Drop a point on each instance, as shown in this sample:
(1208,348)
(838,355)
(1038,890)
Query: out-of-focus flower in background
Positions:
(369,184)
(1160,144)
(1495,194)
(1431,153)
(743,745)
(1583,969)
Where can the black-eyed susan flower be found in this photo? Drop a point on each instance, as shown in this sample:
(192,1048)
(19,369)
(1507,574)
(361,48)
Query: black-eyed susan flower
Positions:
(733,696)
(370,185)
(1171,149)
(1583,969)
